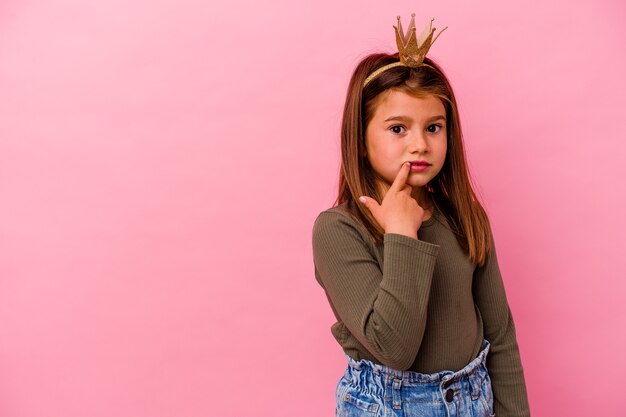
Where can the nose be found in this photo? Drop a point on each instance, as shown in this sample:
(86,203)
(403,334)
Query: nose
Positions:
(418,143)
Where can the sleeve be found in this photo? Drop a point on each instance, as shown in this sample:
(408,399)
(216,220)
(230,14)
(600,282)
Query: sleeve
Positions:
(385,310)
(503,361)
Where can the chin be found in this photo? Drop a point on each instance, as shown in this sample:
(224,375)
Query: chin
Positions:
(418,182)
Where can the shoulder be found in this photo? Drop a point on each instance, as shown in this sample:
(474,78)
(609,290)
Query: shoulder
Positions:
(340,211)
(337,223)
(335,217)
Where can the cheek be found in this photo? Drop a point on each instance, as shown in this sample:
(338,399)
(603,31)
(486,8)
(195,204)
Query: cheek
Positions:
(392,149)
(442,150)
(382,149)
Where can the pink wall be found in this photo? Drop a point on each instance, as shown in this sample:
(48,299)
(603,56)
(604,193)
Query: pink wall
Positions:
(162,162)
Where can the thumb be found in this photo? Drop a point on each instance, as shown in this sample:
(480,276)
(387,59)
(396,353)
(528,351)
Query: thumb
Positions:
(371,204)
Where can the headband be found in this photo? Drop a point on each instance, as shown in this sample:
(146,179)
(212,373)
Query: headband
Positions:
(412,50)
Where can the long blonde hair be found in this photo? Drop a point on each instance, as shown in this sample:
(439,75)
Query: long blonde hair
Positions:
(451,190)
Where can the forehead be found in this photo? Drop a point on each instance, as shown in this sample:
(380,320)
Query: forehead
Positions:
(398,103)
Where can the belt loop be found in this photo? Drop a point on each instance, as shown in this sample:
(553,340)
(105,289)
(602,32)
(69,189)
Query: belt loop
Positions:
(397,396)
(475,383)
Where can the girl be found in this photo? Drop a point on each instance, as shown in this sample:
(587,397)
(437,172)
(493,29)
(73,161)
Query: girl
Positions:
(411,272)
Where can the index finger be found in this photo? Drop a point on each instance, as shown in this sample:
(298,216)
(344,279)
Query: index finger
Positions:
(400,181)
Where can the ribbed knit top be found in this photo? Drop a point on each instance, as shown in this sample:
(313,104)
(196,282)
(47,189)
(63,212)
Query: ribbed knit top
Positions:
(418,304)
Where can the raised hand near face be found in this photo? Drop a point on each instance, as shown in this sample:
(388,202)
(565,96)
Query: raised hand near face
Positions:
(399,212)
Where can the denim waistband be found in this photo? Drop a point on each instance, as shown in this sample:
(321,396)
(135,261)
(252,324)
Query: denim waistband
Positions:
(411,377)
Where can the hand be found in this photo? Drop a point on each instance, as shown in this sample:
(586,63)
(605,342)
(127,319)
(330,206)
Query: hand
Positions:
(399,211)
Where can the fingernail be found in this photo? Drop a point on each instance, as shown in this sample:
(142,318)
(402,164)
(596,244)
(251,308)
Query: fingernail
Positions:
(362,199)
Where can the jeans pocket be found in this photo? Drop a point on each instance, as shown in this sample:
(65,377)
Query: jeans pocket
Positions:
(352,401)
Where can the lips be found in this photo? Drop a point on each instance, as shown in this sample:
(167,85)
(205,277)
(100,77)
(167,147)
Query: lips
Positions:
(419,163)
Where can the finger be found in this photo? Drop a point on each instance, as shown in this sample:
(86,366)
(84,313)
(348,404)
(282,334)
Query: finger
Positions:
(400,181)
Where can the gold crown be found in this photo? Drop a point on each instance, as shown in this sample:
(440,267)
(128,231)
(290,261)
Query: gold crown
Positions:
(412,50)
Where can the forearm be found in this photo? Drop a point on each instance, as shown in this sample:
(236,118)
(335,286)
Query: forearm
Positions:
(396,323)
(507,375)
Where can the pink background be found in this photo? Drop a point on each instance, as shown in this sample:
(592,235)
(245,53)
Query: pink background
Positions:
(162,163)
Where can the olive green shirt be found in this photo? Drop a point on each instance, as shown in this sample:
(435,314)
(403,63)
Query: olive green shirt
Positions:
(418,304)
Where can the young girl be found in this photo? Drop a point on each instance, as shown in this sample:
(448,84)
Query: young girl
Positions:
(411,272)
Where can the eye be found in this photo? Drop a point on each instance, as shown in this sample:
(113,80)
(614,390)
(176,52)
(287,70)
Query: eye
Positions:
(434,125)
(396,129)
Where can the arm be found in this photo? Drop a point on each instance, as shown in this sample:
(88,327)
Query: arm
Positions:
(503,361)
(385,310)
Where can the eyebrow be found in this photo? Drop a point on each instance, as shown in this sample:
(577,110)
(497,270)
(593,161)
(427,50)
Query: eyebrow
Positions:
(401,118)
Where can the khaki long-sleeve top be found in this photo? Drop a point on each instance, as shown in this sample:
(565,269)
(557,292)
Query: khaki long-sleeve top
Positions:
(418,304)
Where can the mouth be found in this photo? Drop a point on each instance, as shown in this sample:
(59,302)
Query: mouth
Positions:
(419,163)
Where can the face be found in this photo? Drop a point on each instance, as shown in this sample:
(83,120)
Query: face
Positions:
(404,128)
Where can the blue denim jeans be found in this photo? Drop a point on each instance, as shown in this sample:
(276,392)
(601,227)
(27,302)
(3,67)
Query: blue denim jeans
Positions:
(370,389)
